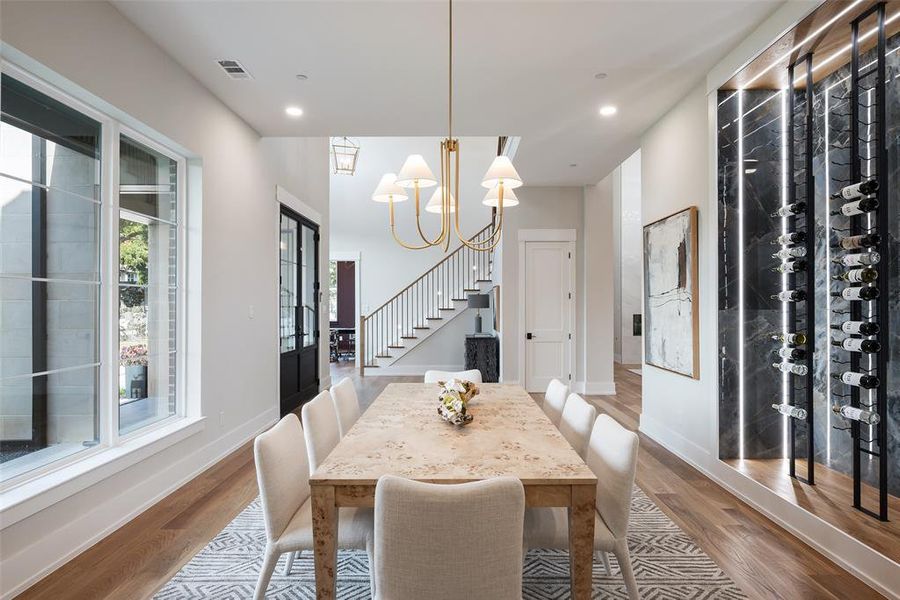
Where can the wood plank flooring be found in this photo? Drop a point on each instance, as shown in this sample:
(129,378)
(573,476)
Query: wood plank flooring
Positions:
(832,499)
(762,558)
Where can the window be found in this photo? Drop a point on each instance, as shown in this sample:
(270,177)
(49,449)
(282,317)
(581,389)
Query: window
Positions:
(147,284)
(56,399)
(332,291)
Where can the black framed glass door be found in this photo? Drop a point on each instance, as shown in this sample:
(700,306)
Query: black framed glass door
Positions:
(298,309)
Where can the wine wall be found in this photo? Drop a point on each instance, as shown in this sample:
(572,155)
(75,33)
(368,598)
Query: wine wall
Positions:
(784,157)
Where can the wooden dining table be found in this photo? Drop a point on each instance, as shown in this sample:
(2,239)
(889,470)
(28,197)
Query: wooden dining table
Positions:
(402,434)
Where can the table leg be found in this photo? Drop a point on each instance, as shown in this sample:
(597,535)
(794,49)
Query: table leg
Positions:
(325,532)
(581,539)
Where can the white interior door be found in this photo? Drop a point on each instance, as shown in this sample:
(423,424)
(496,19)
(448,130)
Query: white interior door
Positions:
(548,313)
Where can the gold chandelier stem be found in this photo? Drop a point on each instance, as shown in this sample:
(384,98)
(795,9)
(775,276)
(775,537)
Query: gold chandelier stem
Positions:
(437,241)
(394,231)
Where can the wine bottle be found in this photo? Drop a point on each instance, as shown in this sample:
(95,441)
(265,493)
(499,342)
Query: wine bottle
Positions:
(864,275)
(790,252)
(791,411)
(790,210)
(856,190)
(792,353)
(858,327)
(862,415)
(858,242)
(858,260)
(797,339)
(857,379)
(794,237)
(857,345)
(789,367)
(864,293)
(858,207)
(790,296)
(791,266)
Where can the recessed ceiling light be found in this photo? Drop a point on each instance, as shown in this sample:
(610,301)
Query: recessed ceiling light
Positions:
(608,110)
(302,77)
(293,111)
(600,76)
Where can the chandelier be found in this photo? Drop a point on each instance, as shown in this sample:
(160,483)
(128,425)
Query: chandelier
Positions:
(344,152)
(415,175)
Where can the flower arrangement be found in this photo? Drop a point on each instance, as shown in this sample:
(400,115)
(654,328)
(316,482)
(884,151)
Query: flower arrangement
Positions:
(453,400)
(133,356)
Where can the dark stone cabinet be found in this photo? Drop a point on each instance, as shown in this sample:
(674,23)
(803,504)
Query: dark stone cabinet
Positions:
(483,353)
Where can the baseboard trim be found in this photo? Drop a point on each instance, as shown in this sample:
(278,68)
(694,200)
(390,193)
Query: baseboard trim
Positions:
(870,566)
(596,388)
(212,453)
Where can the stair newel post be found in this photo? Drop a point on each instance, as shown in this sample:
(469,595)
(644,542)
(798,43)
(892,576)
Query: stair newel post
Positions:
(361,345)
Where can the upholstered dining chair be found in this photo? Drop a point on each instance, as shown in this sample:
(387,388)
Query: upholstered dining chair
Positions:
(282,472)
(555,400)
(612,456)
(346,404)
(473,375)
(448,542)
(577,421)
(320,428)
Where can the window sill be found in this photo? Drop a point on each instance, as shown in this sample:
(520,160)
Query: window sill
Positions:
(24,500)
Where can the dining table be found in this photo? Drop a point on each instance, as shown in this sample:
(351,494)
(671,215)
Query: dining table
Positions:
(402,434)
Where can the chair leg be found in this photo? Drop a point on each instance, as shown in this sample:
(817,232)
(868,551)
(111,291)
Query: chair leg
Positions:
(290,562)
(370,552)
(624,559)
(265,574)
(603,557)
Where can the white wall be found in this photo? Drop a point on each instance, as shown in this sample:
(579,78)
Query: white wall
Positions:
(631,252)
(680,413)
(118,67)
(599,266)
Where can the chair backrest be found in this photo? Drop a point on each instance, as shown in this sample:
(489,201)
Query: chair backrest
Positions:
(612,456)
(555,400)
(473,375)
(282,472)
(577,422)
(446,542)
(346,404)
(320,428)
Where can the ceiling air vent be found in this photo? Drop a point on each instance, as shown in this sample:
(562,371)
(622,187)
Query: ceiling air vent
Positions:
(234,69)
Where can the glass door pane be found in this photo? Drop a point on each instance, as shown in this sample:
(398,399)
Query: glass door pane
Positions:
(310,306)
(288,276)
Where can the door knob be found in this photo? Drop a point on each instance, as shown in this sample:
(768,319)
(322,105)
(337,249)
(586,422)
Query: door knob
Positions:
(528,336)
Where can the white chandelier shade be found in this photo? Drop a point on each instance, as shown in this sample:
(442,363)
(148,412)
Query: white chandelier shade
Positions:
(436,204)
(388,190)
(502,171)
(492,198)
(415,171)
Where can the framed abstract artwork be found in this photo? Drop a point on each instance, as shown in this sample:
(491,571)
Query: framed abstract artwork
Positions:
(671,296)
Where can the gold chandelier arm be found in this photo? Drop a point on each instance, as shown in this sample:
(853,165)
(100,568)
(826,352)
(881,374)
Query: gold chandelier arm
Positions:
(394,232)
(440,238)
(491,241)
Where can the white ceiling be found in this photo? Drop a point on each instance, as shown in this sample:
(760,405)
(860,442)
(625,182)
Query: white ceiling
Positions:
(521,68)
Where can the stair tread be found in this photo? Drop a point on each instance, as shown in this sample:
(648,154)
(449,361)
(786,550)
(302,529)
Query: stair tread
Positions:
(460,300)
(409,337)
(393,347)
(471,290)
(434,318)
(446,308)
(421,327)
(383,356)
(484,281)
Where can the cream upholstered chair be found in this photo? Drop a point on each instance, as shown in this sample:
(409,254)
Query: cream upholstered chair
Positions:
(473,375)
(612,456)
(320,428)
(282,473)
(346,404)
(448,542)
(555,400)
(577,421)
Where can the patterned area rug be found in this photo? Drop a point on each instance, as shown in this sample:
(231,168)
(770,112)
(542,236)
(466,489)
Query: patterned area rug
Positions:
(667,564)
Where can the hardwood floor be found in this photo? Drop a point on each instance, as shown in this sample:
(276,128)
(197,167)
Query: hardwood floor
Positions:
(761,557)
(832,499)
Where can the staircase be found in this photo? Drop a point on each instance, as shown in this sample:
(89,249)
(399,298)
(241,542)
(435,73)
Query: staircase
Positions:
(425,305)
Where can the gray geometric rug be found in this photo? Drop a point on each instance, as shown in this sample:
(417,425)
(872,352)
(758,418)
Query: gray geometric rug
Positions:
(667,565)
